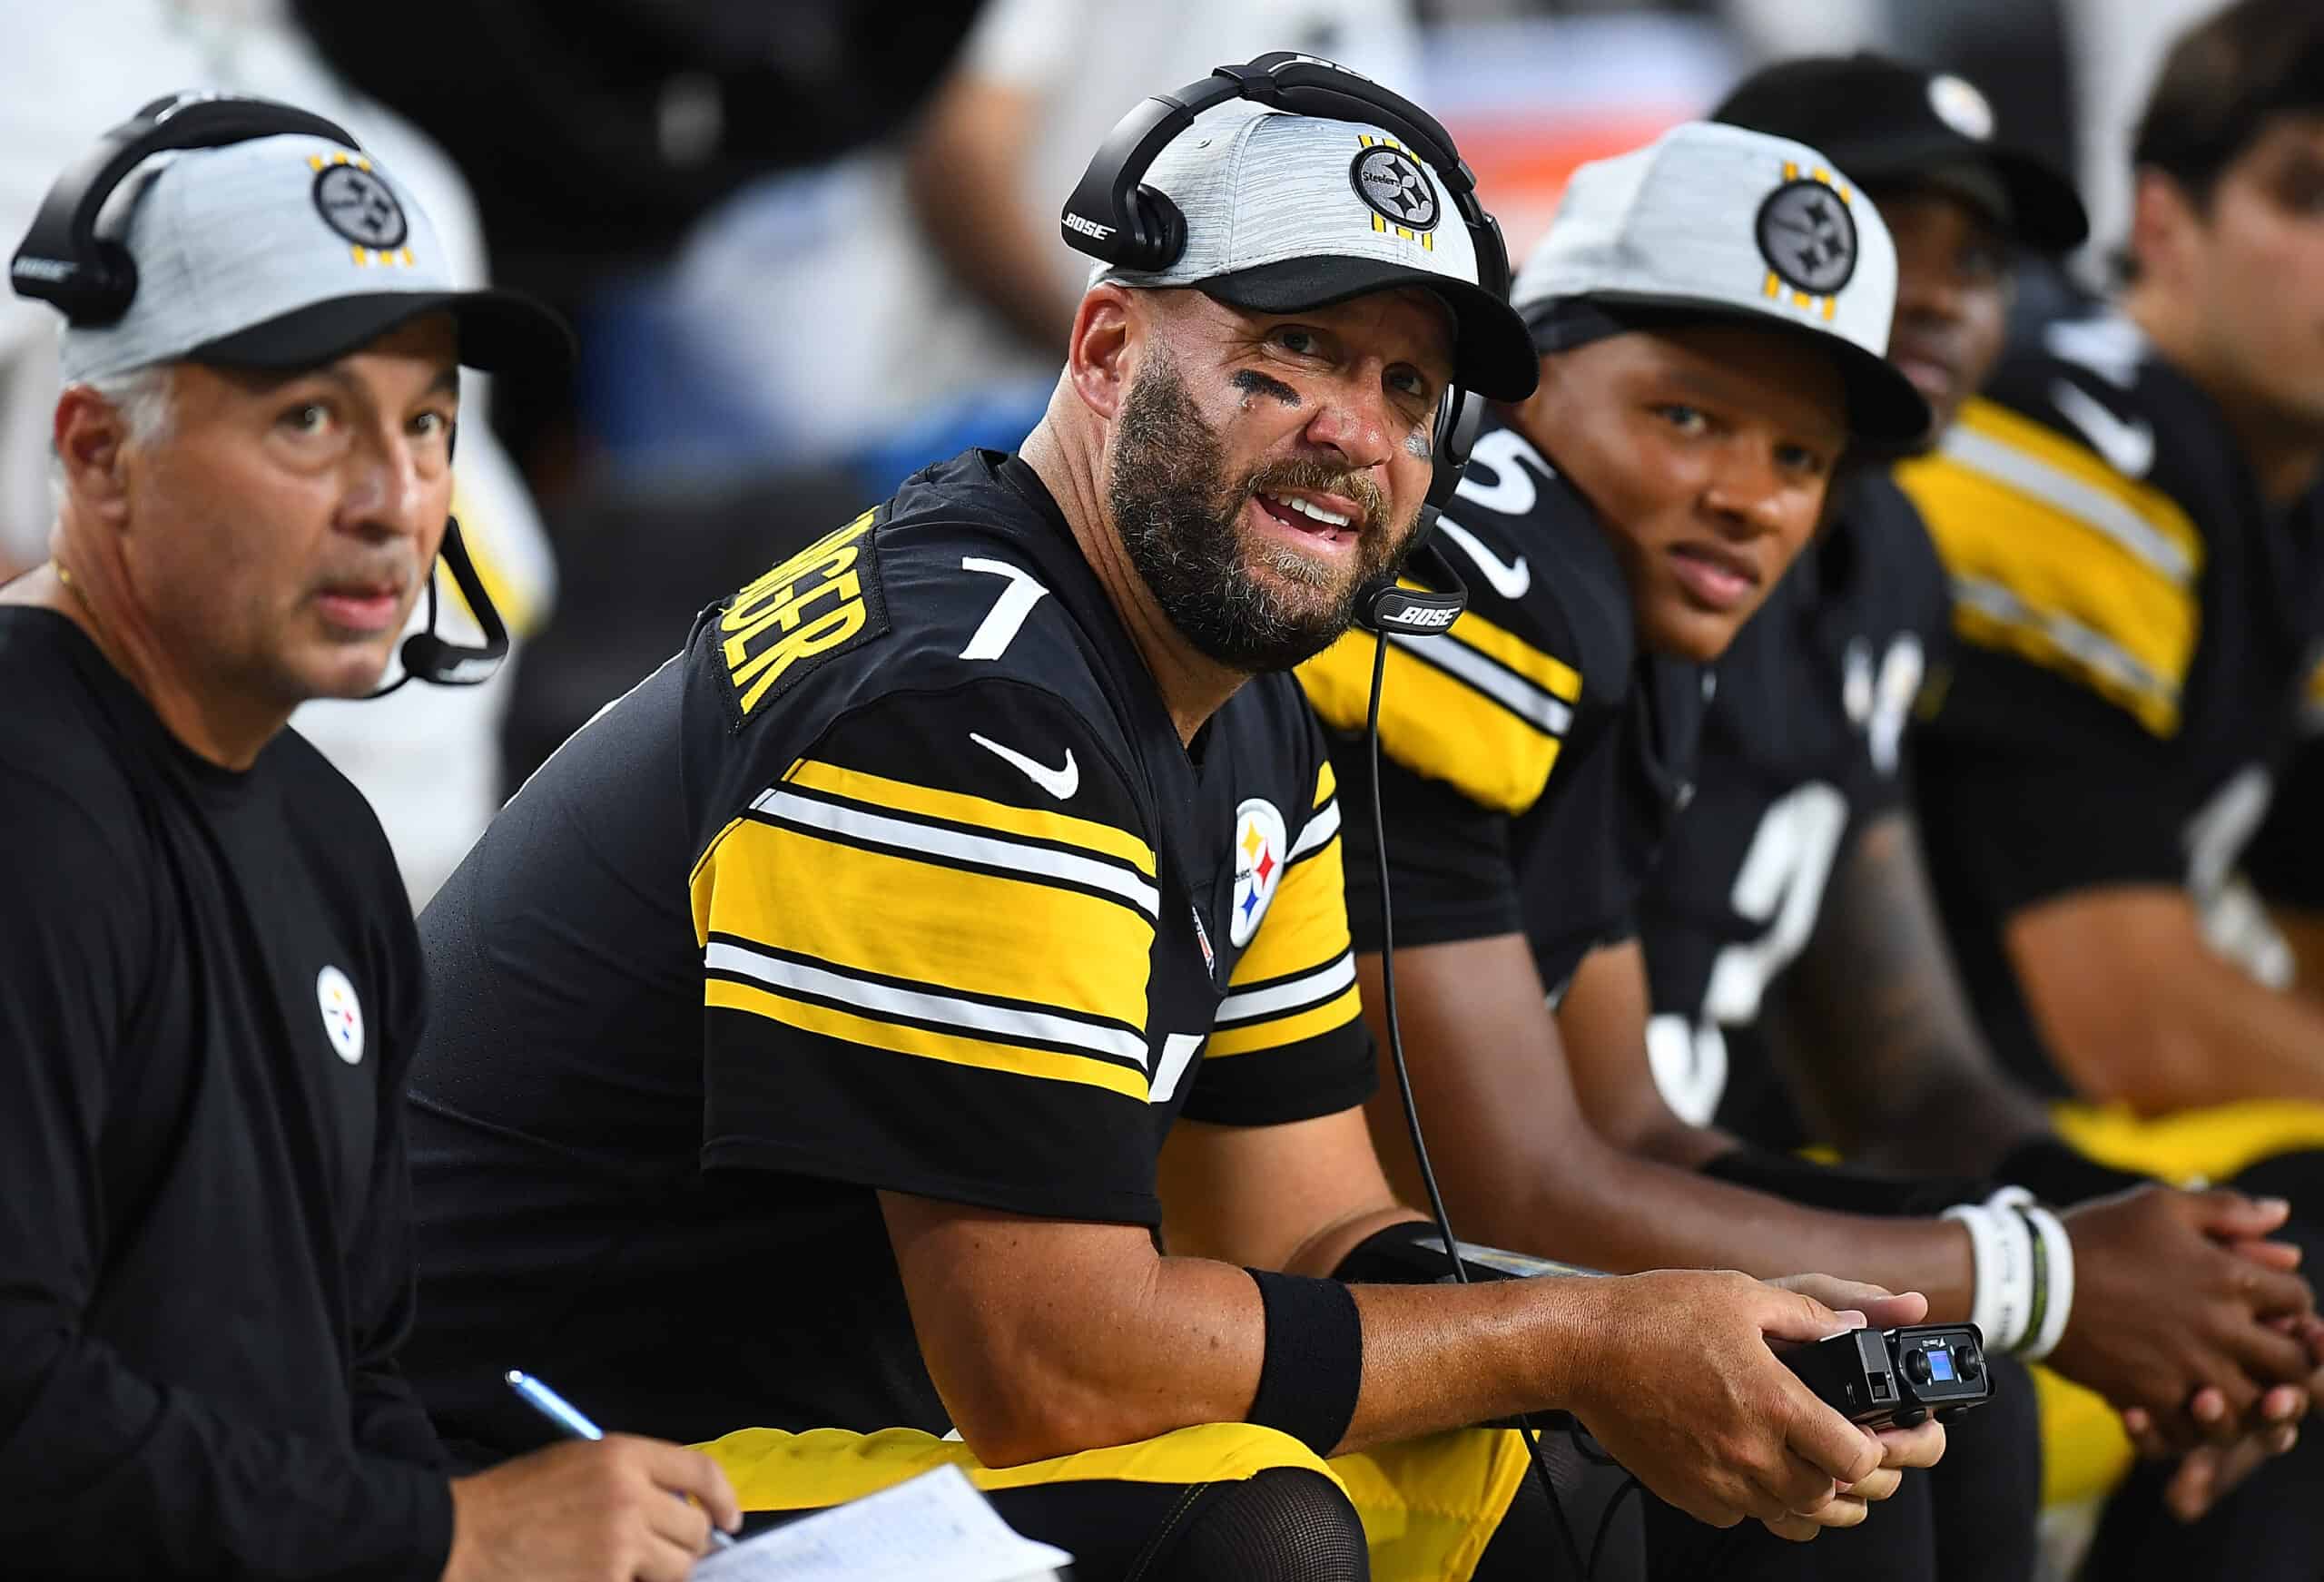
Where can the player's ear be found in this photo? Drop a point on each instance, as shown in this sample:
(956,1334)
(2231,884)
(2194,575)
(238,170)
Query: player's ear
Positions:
(1098,358)
(2163,216)
(90,437)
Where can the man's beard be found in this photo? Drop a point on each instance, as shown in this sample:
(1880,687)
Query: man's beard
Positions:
(1182,524)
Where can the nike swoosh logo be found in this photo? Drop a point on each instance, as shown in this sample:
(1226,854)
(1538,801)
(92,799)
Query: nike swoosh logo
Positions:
(2128,446)
(1510,578)
(1060,782)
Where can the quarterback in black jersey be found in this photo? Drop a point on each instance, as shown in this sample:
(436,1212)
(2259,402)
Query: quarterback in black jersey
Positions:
(209,984)
(1799,780)
(842,1010)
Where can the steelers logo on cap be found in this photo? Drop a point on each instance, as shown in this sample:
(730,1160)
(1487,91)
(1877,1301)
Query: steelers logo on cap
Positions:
(1807,236)
(1393,186)
(358,204)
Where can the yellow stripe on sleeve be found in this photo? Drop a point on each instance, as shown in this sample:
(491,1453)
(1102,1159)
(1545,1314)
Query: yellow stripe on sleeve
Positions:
(899,915)
(1434,724)
(1503,647)
(2113,605)
(1000,818)
(953,1048)
(1248,1037)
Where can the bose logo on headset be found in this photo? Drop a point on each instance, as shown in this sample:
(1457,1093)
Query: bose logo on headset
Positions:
(1089,228)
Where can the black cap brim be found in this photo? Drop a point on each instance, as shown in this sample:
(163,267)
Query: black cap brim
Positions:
(499,332)
(1491,352)
(1885,412)
(2046,213)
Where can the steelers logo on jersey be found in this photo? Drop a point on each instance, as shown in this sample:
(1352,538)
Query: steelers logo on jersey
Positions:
(342,1013)
(1260,849)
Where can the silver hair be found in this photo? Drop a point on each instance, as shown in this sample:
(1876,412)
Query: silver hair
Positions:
(146,399)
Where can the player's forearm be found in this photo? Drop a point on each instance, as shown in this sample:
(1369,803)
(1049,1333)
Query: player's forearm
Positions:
(1875,1029)
(1589,1204)
(2203,1034)
(1439,1357)
(1184,1345)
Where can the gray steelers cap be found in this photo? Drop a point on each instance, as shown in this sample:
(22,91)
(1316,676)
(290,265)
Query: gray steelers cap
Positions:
(287,252)
(1713,221)
(1285,213)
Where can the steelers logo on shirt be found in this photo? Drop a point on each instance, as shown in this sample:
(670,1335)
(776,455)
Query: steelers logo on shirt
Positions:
(1260,849)
(342,1013)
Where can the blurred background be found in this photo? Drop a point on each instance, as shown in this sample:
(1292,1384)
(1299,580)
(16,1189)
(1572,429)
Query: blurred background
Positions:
(813,244)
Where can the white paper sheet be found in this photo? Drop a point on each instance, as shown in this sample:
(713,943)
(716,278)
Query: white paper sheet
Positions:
(936,1524)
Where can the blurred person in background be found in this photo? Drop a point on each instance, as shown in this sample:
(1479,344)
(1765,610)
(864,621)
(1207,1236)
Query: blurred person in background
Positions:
(942,286)
(214,984)
(427,761)
(2129,519)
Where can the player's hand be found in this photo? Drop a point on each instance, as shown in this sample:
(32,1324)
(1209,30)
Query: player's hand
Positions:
(1681,1388)
(1900,1448)
(622,1510)
(2209,1473)
(2172,1289)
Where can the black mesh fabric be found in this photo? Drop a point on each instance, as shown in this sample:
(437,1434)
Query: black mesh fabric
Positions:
(1599,1507)
(1283,1525)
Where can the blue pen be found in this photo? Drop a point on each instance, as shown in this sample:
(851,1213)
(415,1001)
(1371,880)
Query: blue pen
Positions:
(569,1420)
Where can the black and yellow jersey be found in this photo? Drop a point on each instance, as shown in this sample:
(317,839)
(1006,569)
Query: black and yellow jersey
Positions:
(896,879)
(2134,624)
(1801,750)
(1531,757)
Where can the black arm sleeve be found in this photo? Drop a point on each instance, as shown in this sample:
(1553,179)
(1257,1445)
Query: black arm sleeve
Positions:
(109,1474)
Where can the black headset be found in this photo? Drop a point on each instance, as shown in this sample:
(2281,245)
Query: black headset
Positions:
(1112,216)
(93,280)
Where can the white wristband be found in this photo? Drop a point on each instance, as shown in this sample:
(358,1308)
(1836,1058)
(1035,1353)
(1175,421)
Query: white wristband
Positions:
(2057,1307)
(2003,1244)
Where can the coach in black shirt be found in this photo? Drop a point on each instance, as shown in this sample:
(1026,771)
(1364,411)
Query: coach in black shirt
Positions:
(209,984)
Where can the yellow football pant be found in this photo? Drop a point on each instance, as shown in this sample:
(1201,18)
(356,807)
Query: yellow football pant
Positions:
(1429,1505)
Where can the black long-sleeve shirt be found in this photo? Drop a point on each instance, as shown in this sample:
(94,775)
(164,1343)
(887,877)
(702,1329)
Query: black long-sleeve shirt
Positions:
(209,987)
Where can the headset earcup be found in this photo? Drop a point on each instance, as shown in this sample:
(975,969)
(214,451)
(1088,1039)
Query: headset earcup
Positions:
(108,297)
(1458,417)
(1157,235)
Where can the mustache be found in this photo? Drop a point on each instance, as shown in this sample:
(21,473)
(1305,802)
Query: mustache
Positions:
(1323,477)
(390,569)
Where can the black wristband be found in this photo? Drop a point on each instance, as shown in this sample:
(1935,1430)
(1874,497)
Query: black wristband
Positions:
(2055,1172)
(1314,1365)
(1845,1188)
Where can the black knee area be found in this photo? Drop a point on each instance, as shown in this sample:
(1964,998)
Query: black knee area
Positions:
(1285,1524)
